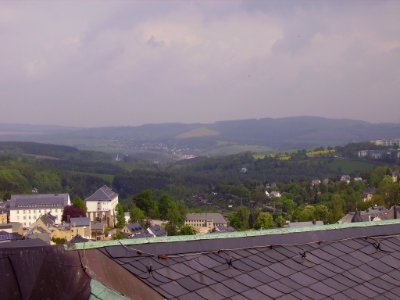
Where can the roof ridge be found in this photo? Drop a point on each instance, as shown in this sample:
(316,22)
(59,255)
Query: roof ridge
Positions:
(236,234)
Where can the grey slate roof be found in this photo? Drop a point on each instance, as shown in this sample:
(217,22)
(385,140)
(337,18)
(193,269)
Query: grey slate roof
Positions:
(102,194)
(156,230)
(48,219)
(78,239)
(215,217)
(81,221)
(347,263)
(39,201)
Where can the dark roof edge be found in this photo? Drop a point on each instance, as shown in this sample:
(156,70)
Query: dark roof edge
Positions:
(254,238)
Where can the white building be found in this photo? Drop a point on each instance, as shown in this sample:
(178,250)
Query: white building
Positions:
(205,222)
(26,209)
(101,206)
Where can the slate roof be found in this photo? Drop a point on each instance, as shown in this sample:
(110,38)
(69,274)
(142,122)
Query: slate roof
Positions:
(81,221)
(39,201)
(78,239)
(102,194)
(156,230)
(347,263)
(215,217)
(48,219)
(134,227)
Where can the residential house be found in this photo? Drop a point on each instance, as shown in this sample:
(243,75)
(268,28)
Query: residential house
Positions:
(42,228)
(26,209)
(98,230)
(376,213)
(205,222)
(101,206)
(367,194)
(363,153)
(315,182)
(78,226)
(135,230)
(3,217)
(345,178)
(395,175)
(156,231)
(275,194)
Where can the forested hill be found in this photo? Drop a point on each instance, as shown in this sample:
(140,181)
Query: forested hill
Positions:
(225,137)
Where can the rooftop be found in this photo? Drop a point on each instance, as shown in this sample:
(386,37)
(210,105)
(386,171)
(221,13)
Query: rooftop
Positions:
(215,217)
(102,194)
(39,201)
(81,221)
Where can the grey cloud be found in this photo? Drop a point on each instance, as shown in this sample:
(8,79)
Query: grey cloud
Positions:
(127,63)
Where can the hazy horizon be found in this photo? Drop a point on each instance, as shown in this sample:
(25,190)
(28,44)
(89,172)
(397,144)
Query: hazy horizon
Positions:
(99,64)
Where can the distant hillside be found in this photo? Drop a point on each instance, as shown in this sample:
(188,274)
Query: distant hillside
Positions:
(216,138)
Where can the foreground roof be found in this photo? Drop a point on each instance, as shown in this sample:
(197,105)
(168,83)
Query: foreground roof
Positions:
(346,263)
(39,200)
(102,194)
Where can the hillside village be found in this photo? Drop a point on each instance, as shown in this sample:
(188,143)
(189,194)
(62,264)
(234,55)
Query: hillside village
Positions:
(54,219)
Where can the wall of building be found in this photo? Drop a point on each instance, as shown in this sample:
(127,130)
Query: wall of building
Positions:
(29,216)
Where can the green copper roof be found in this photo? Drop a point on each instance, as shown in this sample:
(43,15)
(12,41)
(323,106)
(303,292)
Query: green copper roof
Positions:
(100,292)
(237,234)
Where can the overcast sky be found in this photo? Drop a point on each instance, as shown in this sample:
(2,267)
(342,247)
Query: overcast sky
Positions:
(108,63)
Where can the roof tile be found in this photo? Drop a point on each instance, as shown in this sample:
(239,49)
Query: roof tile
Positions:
(190,284)
(174,289)
(269,291)
(323,289)
(223,290)
(209,294)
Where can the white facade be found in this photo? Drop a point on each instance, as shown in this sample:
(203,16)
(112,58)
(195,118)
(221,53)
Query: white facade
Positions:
(31,209)
(101,206)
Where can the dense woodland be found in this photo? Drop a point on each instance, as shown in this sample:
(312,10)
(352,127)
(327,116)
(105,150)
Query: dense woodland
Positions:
(234,185)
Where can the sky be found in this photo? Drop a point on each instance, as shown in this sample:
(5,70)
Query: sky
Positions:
(112,63)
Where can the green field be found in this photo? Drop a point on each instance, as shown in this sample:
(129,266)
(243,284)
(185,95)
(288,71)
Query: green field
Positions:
(351,166)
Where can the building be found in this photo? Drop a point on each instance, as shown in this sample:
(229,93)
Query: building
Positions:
(135,230)
(101,206)
(156,231)
(3,217)
(205,222)
(345,178)
(367,194)
(26,209)
(376,213)
(331,262)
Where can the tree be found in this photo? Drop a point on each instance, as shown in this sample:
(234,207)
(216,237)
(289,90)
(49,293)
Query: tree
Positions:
(187,230)
(240,219)
(171,229)
(136,215)
(280,221)
(71,211)
(264,221)
(321,213)
(164,205)
(78,202)
(120,215)
(144,200)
